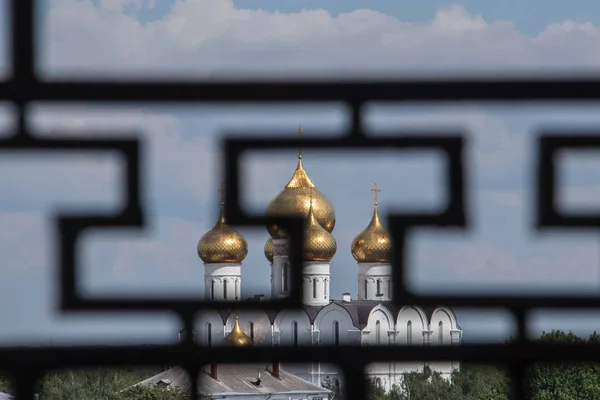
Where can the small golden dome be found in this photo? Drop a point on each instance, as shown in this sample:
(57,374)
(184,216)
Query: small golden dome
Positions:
(237,337)
(319,244)
(222,244)
(373,244)
(269,249)
(294,200)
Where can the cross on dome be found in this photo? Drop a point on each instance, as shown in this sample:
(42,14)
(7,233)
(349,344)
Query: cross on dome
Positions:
(221,190)
(375,191)
(299,137)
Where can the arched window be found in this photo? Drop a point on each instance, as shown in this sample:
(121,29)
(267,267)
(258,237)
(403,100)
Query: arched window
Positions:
(336,333)
(378,332)
(209,334)
(389,289)
(409,332)
(284,277)
(225,289)
(212,289)
(379,288)
(295,333)
(314,288)
(325,288)
(252,332)
(440,333)
(366,283)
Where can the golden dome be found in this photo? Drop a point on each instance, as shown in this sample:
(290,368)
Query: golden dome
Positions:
(319,244)
(269,249)
(294,200)
(237,337)
(222,244)
(373,244)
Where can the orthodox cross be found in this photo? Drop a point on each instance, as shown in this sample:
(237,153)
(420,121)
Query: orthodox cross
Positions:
(221,190)
(299,137)
(375,191)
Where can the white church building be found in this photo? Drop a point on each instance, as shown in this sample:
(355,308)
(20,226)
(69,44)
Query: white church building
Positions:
(368,320)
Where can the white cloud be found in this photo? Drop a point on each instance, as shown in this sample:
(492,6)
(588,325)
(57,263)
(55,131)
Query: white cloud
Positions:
(214,36)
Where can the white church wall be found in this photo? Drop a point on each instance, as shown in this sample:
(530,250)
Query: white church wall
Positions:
(325,322)
(441,325)
(280,270)
(379,329)
(374,281)
(293,328)
(315,278)
(411,325)
(209,321)
(254,323)
(379,324)
(223,281)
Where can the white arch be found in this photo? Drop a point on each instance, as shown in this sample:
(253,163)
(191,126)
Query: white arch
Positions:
(283,326)
(201,322)
(388,315)
(448,314)
(381,316)
(324,323)
(400,321)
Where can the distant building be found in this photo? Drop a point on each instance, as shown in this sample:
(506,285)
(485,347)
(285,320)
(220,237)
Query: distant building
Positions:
(369,320)
(241,381)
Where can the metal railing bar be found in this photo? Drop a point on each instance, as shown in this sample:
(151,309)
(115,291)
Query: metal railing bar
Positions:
(82,356)
(515,90)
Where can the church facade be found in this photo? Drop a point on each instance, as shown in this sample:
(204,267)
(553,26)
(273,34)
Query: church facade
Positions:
(369,319)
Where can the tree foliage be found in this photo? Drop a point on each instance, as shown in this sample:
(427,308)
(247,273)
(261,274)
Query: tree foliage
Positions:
(335,387)
(544,381)
(573,381)
(6,384)
(94,383)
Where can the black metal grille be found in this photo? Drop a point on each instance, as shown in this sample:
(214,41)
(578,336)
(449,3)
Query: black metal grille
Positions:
(23,87)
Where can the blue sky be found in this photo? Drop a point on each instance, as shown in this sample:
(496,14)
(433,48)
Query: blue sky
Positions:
(132,38)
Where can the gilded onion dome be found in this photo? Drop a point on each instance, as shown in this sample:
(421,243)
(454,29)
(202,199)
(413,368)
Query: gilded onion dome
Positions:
(222,244)
(373,244)
(319,244)
(269,249)
(294,200)
(237,337)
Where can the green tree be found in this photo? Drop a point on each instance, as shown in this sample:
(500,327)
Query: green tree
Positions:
(482,382)
(6,385)
(90,383)
(328,383)
(375,390)
(572,381)
(426,385)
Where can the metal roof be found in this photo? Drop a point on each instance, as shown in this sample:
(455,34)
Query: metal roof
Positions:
(238,378)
